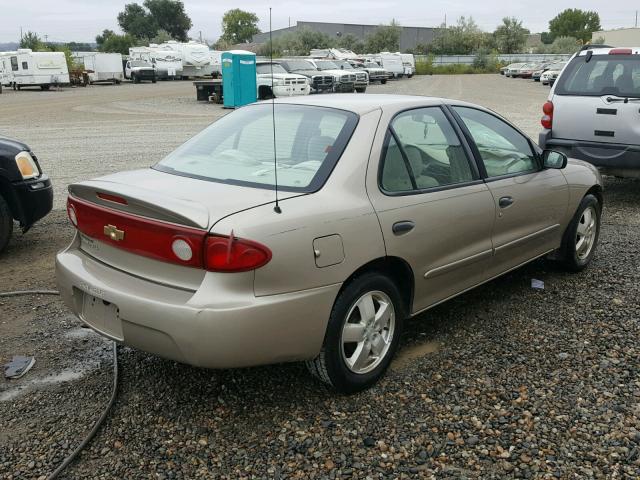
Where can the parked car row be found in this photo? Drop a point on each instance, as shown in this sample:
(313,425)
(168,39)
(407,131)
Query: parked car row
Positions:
(544,72)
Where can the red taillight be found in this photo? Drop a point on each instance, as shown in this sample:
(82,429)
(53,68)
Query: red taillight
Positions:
(165,241)
(547,119)
(230,254)
(620,51)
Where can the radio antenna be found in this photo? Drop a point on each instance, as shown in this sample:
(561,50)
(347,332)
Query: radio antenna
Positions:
(277,208)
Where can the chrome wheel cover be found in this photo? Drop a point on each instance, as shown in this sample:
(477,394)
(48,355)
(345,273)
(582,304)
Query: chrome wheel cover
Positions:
(368,332)
(586,232)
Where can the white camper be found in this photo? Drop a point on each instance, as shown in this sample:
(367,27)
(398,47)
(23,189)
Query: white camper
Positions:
(392,62)
(168,63)
(196,57)
(102,67)
(6,77)
(38,69)
(409,62)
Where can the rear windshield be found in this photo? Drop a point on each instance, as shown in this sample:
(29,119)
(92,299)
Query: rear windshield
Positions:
(603,75)
(238,148)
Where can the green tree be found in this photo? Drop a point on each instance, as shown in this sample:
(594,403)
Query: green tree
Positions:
(463,38)
(546,38)
(239,26)
(79,47)
(351,42)
(162,36)
(102,37)
(170,16)
(511,36)
(115,43)
(137,22)
(560,45)
(144,21)
(576,23)
(385,38)
(31,40)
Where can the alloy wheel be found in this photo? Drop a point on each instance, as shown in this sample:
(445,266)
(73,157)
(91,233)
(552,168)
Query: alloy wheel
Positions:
(586,232)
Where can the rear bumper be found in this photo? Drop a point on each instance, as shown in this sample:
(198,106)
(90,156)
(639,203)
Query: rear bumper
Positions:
(33,199)
(602,155)
(214,327)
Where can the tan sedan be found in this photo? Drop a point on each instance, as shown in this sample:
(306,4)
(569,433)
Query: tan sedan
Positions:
(387,206)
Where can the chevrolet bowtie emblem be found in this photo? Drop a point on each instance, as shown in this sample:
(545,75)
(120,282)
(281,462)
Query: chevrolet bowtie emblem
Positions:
(113,233)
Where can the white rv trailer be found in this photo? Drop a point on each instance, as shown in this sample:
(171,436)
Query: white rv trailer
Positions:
(6,77)
(104,67)
(392,62)
(409,62)
(196,57)
(216,61)
(168,62)
(333,53)
(38,69)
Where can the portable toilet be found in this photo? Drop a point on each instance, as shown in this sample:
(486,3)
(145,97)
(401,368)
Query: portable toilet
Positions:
(239,82)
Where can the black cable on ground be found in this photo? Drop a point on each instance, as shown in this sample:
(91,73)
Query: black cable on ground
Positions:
(96,426)
(29,292)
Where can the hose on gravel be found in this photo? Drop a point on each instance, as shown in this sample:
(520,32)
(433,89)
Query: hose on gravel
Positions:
(96,426)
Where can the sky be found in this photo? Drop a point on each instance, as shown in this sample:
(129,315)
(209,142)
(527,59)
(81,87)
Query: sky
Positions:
(81,20)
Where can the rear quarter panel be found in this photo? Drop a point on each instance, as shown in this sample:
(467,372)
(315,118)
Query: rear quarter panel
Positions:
(581,177)
(341,207)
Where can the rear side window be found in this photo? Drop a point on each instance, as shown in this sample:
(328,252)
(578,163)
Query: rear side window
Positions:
(602,75)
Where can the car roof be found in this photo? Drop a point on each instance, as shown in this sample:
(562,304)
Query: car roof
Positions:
(364,103)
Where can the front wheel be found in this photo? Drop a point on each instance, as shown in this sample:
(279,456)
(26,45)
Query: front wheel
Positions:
(382,82)
(361,89)
(581,237)
(362,335)
(6,224)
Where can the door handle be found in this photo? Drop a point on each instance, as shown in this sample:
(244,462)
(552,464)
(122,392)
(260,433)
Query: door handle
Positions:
(400,228)
(504,202)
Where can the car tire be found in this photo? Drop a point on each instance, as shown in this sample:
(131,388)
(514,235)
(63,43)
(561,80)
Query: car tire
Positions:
(361,89)
(335,365)
(581,237)
(382,82)
(6,224)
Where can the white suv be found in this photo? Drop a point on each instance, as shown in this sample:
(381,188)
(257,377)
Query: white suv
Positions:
(593,110)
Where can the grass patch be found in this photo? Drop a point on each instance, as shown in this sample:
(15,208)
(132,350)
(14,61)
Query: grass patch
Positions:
(427,68)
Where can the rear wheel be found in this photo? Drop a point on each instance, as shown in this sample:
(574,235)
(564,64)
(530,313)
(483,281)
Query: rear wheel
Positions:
(361,89)
(581,237)
(362,335)
(6,224)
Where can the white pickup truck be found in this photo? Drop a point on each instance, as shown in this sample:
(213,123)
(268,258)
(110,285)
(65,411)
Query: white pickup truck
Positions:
(285,84)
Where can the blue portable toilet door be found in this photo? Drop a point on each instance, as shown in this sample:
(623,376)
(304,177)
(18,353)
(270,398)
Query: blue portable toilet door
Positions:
(239,78)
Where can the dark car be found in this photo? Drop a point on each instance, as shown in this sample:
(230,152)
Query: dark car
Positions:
(320,82)
(26,194)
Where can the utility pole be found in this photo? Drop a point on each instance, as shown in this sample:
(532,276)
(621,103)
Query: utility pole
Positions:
(445,21)
(46,38)
(200,36)
(21,34)
(290,19)
(636,18)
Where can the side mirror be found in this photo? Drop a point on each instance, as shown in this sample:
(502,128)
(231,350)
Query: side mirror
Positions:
(553,159)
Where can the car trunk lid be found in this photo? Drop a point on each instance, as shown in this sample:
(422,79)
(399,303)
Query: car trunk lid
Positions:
(128,220)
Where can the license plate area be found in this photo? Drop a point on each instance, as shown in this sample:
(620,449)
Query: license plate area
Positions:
(102,316)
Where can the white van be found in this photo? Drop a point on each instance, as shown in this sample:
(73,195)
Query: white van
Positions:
(593,110)
(103,67)
(38,69)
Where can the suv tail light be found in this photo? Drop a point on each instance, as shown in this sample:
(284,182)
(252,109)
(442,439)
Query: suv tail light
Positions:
(166,242)
(547,118)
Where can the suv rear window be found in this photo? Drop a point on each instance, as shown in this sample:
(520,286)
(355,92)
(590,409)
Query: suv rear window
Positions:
(238,148)
(603,75)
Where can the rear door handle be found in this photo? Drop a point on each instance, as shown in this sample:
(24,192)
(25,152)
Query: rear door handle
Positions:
(400,228)
(504,202)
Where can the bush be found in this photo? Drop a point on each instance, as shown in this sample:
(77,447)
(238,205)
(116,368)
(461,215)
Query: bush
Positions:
(427,68)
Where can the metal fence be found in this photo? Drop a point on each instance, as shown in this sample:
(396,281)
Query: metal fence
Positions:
(511,58)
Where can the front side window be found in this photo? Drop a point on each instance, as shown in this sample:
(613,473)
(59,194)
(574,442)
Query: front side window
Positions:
(239,148)
(423,151)
(503,149)
(265,68)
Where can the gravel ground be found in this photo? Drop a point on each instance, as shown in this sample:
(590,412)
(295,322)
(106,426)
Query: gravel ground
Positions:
(502,382)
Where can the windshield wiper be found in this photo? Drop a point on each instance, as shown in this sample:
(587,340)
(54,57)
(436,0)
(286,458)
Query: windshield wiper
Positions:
(622,99)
